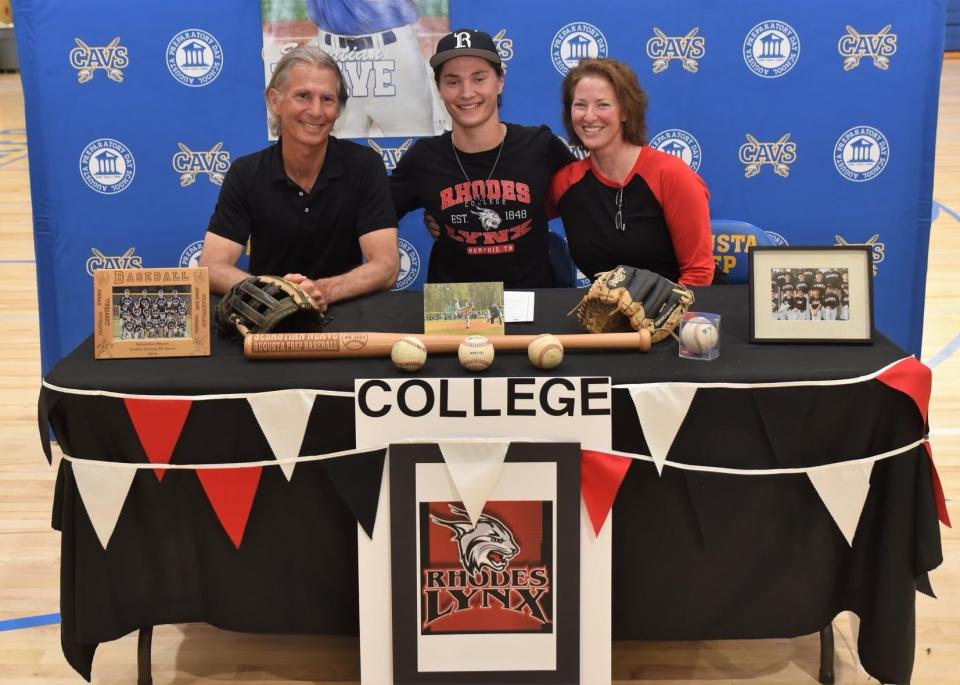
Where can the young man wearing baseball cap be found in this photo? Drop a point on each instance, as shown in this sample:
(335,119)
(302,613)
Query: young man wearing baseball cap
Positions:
(486,182)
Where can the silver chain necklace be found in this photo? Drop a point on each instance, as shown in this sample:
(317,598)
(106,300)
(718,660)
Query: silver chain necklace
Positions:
(490,219)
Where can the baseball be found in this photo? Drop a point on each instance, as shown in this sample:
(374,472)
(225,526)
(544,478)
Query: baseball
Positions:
(475,353)
(545,352)
(408,354)
(699,335)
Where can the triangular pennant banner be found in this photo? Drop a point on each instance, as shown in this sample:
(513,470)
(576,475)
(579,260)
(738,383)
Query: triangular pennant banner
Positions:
(231,493)
(358,478)
(283,419)
(844,491)
(158,424)
(475,469)
(912,377)
(48,400)
(661,408)
(601,475)
(938,495)
(103,490)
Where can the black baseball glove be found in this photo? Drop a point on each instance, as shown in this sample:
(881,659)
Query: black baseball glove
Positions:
(628,298)
(264,304)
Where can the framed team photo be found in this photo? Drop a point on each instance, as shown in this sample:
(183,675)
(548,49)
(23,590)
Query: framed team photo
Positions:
(151,313)
(811,294)
(494,601)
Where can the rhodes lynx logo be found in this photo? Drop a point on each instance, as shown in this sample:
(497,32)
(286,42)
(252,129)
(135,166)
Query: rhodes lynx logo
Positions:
(111,58)
(390,155)
(779,154)
(861,154)
(879,47)
(877,249)
(686,49)
(213,162)
(771,49)
(107,166)
(483,574)
(679,143)
(194,58)
(128,260)
(575,42)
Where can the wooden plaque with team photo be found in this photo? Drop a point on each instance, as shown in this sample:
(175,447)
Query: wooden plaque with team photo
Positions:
(151,313)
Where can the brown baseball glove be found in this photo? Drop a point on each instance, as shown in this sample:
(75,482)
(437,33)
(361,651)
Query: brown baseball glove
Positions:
(628,298)
(261,304)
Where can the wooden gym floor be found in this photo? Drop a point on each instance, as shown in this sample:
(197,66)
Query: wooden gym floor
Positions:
(199,654)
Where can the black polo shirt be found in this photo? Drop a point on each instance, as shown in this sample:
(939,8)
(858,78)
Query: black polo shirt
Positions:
(314,233)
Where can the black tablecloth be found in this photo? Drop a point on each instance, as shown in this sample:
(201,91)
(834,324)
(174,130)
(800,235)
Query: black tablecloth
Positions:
(696,555)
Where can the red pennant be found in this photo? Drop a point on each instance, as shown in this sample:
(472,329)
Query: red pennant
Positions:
(938,490)
(913,378)
(158,424)
(231,493)
(600,477)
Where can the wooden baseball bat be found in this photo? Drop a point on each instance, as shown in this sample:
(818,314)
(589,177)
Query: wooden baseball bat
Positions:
(346,345)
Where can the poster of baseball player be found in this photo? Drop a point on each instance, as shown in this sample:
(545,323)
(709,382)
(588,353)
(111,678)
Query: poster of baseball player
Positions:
(382,48)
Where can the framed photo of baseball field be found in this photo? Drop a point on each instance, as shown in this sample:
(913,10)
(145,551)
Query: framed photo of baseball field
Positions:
(151,313)
(811,294)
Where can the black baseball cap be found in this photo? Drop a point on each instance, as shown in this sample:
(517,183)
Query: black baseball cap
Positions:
(465,43)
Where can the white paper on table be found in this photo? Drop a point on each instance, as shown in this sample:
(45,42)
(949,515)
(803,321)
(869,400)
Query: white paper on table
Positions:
(517,306)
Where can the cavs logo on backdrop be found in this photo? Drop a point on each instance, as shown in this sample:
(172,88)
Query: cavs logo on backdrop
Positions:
(877,249)
(855,46)
(213,162)
(779,154)
(128,260)
(390,155)
(574,42)
(111,58)
(495,577)
(686,49)
(504,45)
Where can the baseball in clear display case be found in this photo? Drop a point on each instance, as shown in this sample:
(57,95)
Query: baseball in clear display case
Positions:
(700,336)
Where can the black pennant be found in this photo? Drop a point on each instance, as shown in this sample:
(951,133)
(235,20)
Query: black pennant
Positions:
(357,477)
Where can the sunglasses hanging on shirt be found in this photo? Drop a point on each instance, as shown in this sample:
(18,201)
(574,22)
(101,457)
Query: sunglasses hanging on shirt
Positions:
(618,221)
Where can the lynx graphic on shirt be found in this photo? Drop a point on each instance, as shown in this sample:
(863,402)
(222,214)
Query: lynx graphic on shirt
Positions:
(492,577)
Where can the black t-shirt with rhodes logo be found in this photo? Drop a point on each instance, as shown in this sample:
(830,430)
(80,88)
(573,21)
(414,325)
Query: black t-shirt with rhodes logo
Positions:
(492,213)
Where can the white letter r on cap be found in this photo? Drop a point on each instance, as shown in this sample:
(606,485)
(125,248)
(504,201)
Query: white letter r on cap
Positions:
(463,40)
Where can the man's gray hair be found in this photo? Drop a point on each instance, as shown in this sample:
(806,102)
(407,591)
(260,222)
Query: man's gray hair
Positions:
(304,54)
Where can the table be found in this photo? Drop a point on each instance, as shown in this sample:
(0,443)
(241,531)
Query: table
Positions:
(697,555)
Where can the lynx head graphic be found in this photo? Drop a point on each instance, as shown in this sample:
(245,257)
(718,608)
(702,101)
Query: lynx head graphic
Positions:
(489,544)
(489,219)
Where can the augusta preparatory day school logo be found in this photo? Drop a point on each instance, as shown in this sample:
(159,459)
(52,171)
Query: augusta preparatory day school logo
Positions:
(861,154)
(771,48)
(194,57)
(574,42)
(409,264)
(492,577)
(107,166)
(679,143)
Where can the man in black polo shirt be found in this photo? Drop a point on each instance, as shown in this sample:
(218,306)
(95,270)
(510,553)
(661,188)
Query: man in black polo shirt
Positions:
(317,210)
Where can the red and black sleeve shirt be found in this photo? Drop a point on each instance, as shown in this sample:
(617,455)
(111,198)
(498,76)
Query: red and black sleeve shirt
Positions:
(665,211)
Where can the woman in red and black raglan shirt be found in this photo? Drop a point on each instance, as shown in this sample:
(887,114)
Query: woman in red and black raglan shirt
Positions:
(627,203)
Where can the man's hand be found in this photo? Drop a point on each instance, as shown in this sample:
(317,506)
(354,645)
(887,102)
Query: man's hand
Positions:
(311,288)
(432,226)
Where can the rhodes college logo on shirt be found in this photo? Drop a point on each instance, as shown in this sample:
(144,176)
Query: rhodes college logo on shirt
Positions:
(213,162)
(111,58)
(679,143)
(574,42)
(495,577)
(861,154)
(687,50)
(854,46)
(779,154)
(107,166)
(194,58)
(488,216)
(771,48)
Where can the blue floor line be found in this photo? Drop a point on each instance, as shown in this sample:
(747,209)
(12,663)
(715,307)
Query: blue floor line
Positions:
(29,622)
(944,353)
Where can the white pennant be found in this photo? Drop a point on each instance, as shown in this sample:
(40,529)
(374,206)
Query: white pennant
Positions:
(844,491)
(474,468)
(103,490)
(283,419)
(661,408)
